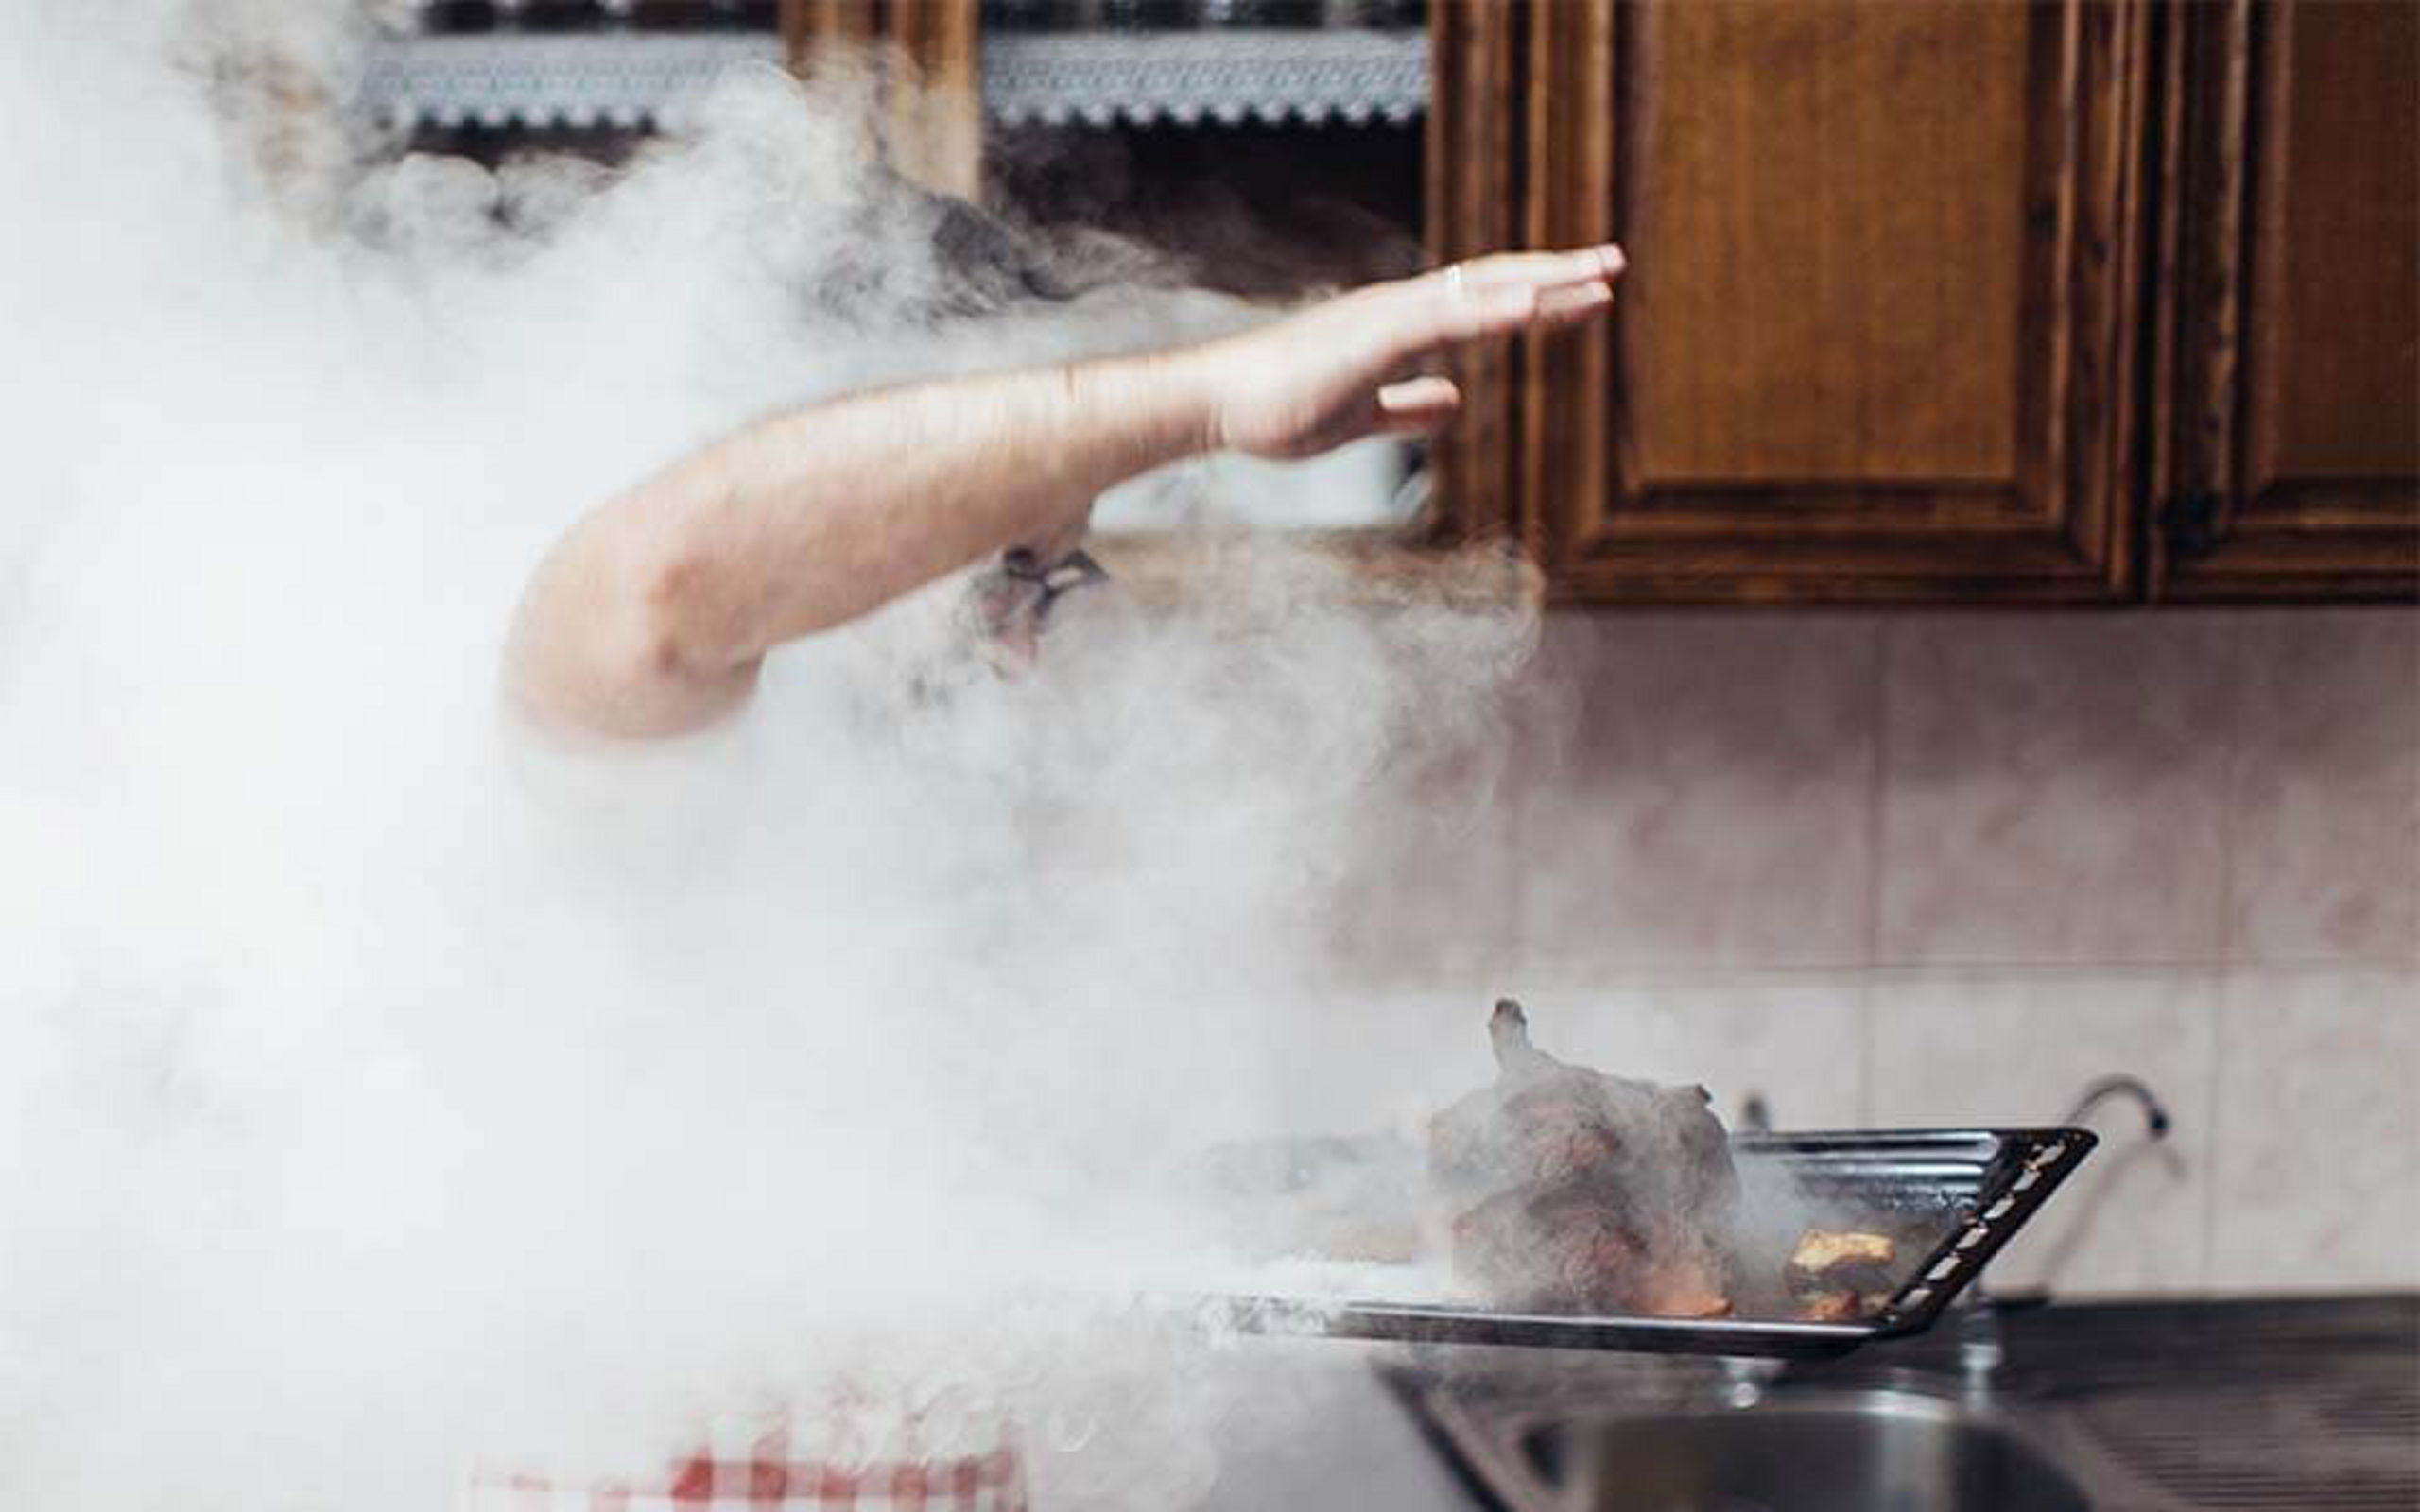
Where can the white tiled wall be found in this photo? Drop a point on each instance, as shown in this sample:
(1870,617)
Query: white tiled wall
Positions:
(2315,1133)
(2053,791)
(1692,725)
(1946,868)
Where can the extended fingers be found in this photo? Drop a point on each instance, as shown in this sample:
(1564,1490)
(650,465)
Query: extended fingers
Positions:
(1542,270)
(1468,314)
(1496,296)
(1572,305)
(1418,403)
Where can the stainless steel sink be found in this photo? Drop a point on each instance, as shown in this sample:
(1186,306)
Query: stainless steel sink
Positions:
(1877,1450)
(2190,1406)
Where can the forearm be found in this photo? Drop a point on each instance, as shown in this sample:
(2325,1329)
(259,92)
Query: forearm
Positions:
(652,613)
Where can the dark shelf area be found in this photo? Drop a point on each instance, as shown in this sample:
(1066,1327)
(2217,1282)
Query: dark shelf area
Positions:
(1256,210)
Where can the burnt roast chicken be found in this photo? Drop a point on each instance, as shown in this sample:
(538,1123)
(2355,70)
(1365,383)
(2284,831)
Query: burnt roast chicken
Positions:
(1559,1188)
(1572,1191)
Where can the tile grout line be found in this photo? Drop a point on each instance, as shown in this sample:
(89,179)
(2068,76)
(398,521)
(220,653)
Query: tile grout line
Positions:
(2222,1000)
(1878,776)
(1512,898)
(1523,775)
(2231,769)
(1630,970)
(2236,656)
(2411,955)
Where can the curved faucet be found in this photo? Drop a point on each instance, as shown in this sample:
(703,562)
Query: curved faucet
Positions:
(1979,1350)
(2099,1092)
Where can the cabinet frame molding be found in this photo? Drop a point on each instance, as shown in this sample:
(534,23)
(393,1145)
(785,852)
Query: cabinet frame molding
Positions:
(2220,522)
(1473,139)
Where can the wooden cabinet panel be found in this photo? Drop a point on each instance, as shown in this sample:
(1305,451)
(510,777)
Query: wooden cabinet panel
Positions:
(1799,313)
(2287,460)
(1881,308)
(1470,203)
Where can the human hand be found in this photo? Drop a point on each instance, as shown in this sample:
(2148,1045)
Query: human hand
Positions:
(1350,366)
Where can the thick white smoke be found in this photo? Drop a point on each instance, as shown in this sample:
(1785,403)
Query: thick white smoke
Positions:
(381,1091)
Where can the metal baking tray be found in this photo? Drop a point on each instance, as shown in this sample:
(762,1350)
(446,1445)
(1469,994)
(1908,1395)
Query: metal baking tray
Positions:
(1951,1198)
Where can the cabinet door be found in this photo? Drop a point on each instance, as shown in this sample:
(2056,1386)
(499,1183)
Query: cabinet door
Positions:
(2287,403)
(1873,345)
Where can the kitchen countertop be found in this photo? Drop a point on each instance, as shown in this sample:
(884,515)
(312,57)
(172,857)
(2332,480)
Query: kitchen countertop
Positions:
(2279,1403)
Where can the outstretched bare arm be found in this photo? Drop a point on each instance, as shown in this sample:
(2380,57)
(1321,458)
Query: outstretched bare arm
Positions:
(652,614)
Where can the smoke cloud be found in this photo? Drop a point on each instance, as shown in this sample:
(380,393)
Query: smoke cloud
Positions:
(385,1091)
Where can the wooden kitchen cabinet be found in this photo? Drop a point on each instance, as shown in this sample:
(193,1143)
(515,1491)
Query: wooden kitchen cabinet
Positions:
(1883,306)
(2286,407)
(2073,301)
(1930,301)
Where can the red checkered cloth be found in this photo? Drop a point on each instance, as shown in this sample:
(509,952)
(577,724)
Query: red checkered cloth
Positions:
(761,1474)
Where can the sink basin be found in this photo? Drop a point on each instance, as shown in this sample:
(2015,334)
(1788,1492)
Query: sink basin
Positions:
(1877,1450)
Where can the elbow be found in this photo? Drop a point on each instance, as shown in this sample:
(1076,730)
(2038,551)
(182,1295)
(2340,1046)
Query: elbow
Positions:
(685,659)
(651,659)
(680,625)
